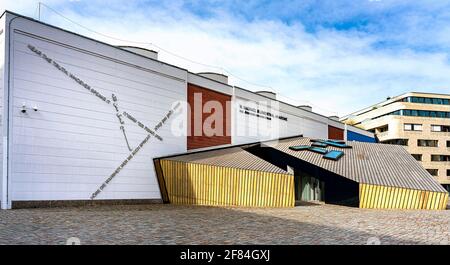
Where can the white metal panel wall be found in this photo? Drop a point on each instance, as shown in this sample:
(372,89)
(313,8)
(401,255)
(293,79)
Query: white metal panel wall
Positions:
(2,80)
(73,143)
(247,128)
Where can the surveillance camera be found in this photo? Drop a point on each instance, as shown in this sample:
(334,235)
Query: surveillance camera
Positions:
(23,110)
(35,108)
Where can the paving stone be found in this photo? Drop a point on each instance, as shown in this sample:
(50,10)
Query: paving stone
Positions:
(177,224)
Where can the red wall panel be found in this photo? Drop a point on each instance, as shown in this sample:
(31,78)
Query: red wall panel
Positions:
(335,133)
(196,135)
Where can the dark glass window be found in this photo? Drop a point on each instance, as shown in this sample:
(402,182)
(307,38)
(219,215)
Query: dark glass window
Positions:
(448,172)
(440,128)
(418,113)
(433,172)
(396,141)
(427,143)
(423,100)
(418,157)
(440,158)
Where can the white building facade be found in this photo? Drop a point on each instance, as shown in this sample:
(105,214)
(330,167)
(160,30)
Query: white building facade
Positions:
(82,120)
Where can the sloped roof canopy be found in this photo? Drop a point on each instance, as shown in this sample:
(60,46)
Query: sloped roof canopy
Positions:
(234,157)
(369,163)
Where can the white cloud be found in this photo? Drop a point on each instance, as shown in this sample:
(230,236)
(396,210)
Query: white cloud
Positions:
(337,72)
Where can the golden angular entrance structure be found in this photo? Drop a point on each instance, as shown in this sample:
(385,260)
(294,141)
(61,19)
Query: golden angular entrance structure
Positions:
(368,175)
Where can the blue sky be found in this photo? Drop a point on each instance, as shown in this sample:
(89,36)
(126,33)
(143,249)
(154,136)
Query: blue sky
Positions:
(337,55)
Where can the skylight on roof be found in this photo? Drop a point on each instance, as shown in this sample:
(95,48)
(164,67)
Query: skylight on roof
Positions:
(299,147)
(319,146)
(334,155)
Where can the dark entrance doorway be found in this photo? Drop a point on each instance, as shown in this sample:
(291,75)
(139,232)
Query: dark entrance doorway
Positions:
(308,188)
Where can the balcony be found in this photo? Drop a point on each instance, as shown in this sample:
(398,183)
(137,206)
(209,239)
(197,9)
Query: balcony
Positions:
(382,136)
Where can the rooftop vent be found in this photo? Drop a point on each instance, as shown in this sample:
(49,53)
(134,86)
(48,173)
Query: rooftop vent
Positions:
(215,76)
(141,51)
(305,107)
(268,94)
(335,118)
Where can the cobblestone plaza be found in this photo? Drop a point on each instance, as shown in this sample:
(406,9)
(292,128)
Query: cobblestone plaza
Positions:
(172,224)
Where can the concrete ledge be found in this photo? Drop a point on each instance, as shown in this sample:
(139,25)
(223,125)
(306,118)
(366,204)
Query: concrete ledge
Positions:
(75,203)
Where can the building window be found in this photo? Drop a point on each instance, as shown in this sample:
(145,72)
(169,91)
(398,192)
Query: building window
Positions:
(440,128)
(433,172)
(423,100)
(440,158)
(396,141)
(448,172)
(418,157)
(427,143)
(420,113)
(412,127)
(448,143)
(447,187)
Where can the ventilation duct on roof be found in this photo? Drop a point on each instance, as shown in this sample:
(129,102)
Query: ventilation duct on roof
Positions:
(141,51)
(215,76)
(268,94)
(305,107)
(335,118)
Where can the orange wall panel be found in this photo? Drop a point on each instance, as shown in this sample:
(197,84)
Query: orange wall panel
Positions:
(335,133)
(196,135)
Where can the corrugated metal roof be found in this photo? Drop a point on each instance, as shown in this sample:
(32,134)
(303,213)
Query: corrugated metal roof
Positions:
(234,157)
(370,163)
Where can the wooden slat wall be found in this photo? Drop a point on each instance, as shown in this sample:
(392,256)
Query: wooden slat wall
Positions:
(382,197)
(189,183)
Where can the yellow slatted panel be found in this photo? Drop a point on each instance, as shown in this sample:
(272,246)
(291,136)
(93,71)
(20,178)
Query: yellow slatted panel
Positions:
(402,198)
(376,190)
(436,201)
(388,197)
(362,195)
(373,191)
(432,200)
(411,199)
(426,200)
(189,183)
(380,197)
(440,197)
(405,199)
(444,203)
(417,199)
(441,201)
(369,196)
(392,199)
(373,201)
(408,199)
